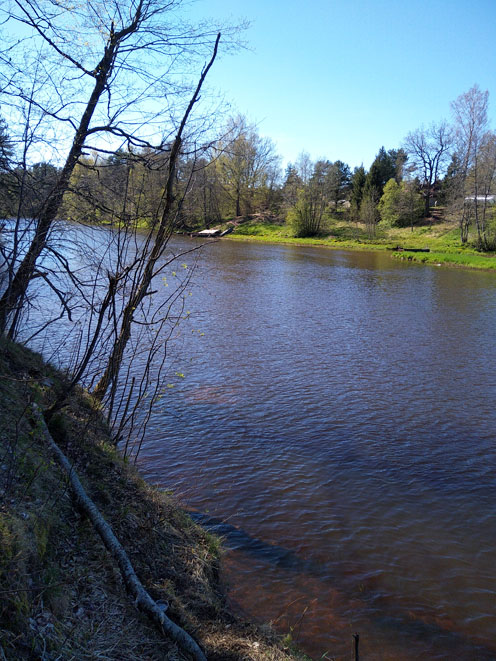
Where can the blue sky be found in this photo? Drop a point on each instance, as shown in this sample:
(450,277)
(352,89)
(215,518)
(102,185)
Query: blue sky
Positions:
(341,78)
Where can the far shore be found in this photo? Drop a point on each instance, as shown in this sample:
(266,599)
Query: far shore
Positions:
(441,239)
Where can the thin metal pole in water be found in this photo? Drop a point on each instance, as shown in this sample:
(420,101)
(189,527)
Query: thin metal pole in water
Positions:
(356,639)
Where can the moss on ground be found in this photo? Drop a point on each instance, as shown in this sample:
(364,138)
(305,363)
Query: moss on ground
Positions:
(61,596)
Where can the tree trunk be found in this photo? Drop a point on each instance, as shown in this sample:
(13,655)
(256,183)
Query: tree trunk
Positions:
(13,297)
(238,203)
(161,238)
(427,205)
(465,223)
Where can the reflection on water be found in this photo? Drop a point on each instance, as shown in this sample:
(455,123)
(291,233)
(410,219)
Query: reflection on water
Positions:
(336,425)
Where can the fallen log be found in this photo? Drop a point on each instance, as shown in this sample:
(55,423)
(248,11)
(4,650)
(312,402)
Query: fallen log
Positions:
(401,249)
(142,599)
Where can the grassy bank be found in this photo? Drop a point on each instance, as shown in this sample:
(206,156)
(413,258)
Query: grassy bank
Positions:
(61,595)
(441,238)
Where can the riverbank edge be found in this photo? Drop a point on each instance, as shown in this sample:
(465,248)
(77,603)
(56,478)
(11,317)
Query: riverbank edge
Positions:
(61,596)
(463,259)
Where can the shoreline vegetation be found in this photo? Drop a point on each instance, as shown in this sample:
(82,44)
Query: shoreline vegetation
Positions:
(440,237)
(61,592)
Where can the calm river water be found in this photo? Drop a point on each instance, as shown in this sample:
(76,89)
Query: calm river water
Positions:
(336,424)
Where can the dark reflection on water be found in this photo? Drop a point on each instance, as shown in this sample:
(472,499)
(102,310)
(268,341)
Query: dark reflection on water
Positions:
(336,424)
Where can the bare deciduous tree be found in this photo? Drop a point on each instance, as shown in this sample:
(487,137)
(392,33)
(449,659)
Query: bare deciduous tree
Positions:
(246,165)
(428,153)
(141,286)
(111,92)
(93,73)
(471,124)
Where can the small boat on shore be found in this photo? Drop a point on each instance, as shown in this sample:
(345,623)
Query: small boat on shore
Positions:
(208,233)
(213,233)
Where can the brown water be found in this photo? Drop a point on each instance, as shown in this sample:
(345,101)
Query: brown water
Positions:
(336,424)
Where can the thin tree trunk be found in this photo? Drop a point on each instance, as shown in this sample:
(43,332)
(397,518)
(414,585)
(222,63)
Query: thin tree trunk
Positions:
(238,203)
(427,205)
(14,295)
(465,223)
(163,234)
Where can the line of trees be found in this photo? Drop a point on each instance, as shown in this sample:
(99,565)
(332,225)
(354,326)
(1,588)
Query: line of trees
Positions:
(90,88)
(444,164)
(237,173)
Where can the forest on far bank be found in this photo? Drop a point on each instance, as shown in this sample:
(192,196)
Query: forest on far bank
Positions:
(445,170)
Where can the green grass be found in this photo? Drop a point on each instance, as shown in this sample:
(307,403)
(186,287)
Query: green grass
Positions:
(262,230)
(441,238)
(466,260)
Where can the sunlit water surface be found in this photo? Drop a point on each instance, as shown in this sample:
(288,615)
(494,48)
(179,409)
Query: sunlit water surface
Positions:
(337,424)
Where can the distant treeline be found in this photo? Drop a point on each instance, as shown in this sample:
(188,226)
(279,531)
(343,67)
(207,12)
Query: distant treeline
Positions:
(448,165)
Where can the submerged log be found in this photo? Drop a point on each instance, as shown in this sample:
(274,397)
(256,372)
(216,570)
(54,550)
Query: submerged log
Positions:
(154,610)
